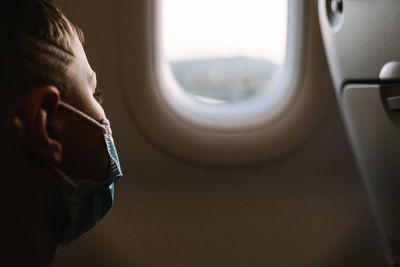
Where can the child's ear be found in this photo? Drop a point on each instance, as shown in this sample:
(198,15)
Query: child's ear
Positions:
(30,115)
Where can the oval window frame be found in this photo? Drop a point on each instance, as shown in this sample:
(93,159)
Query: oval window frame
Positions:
(224,145)
(264,109)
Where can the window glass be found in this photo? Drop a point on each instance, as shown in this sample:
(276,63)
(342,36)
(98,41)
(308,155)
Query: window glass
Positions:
(224,51)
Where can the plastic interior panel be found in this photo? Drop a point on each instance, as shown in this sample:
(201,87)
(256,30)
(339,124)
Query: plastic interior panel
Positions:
(376,143)
(363,42)
(266,142)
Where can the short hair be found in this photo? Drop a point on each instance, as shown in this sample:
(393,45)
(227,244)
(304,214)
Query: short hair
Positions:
(36,42)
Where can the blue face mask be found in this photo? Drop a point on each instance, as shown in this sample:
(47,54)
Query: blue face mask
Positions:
(86,201)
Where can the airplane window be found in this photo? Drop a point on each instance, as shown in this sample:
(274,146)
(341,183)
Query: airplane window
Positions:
(223,51)
(225,65)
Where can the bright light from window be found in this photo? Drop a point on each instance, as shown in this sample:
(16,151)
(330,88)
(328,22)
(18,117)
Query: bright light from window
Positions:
(225,28)
(224,50)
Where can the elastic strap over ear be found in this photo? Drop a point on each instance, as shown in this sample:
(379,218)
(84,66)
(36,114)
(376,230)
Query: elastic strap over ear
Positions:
(65,178)
(21,132)
(83,115)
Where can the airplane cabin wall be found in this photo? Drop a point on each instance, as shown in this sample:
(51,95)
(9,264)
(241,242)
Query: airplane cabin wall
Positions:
(307,209)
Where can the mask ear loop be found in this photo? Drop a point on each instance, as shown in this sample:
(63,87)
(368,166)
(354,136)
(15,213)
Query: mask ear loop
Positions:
(68,181)
(90,119)
(21,133)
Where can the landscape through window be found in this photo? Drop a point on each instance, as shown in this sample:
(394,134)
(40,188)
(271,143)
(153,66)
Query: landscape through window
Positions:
(224,51)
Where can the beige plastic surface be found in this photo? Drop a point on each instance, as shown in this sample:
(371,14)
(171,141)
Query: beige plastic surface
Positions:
(376,142)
